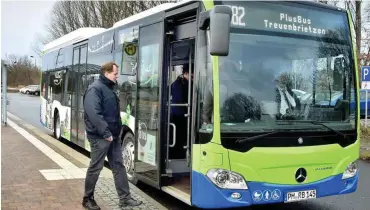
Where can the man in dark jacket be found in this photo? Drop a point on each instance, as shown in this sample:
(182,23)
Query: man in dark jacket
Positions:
(103,127)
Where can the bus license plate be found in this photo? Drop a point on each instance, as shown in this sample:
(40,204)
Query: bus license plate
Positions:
(300,195)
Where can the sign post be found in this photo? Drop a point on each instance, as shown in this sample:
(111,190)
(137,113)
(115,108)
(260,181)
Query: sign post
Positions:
(365,84)
(3,92)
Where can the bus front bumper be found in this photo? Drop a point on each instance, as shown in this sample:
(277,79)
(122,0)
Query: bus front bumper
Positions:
(207,195)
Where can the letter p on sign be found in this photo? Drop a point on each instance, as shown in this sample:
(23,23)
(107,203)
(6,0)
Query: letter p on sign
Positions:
(365,73)
(365,77)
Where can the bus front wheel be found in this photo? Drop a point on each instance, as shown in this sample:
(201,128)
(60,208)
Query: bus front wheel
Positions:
(128,155)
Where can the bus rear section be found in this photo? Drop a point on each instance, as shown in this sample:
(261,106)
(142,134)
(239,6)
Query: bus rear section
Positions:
(264,142)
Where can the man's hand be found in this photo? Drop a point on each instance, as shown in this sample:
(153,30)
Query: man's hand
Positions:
(109,138)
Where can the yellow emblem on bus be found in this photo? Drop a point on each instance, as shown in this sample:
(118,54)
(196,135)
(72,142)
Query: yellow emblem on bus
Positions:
(130,49)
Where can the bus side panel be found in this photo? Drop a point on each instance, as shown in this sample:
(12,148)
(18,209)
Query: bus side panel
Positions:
(65,122)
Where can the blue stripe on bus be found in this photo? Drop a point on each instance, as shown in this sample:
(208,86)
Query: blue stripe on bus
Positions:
(206,195)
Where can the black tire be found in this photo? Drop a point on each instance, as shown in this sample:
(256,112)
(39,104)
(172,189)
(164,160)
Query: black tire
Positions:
(128,146)
(27,92)
(57,133)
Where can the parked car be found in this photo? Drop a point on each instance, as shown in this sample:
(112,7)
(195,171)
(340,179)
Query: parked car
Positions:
(27,89)
(35,90)
(337,96)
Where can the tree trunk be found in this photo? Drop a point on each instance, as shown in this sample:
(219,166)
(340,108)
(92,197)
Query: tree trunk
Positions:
(358,36)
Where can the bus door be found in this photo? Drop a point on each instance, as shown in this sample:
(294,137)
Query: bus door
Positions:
(49,101)
(179,98)
(78,73)
(148,102)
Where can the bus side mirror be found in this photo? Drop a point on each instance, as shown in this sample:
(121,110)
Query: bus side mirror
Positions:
(219,20)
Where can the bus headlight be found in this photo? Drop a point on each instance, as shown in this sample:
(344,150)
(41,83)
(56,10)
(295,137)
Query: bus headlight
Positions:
(226,179)
(350,171)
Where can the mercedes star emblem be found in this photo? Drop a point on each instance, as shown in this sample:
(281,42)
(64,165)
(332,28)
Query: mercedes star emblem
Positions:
(300,175)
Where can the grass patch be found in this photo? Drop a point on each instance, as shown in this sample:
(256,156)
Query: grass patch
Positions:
(365,155)
(365,144)
(365,135)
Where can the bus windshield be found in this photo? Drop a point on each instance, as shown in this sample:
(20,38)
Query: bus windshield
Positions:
(271,77)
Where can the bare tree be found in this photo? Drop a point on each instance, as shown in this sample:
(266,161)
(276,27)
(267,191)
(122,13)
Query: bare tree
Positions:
(296,79)
(358,23)
(332,2)
(358,31)
(21,71)
(68,16)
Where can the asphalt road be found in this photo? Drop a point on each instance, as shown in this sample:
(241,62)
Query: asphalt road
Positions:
(28,108)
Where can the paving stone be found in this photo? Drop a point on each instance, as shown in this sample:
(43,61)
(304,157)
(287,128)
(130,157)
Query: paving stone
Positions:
(106,190)
(24,187)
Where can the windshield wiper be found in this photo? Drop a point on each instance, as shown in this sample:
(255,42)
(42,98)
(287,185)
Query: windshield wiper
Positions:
(318,123)
(252,138)
(242,140)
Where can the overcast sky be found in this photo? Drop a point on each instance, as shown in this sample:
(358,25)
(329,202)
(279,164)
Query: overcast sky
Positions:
(21,21)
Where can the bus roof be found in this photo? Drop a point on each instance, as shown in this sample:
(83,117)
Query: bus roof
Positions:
(72,37)
(146,13)
(154,10)
(84,33)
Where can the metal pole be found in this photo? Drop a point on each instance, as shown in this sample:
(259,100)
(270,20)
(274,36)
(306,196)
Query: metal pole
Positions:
(31,56)
(366,109)
(189,103)
(3,95)
(169,113)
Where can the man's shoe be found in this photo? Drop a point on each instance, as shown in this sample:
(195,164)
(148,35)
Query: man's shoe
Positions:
(130,202)
(90,204)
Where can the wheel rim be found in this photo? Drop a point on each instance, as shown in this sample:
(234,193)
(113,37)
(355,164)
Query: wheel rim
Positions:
(128,158)
(57,129)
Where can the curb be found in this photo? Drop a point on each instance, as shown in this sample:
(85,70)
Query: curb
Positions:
(106,172)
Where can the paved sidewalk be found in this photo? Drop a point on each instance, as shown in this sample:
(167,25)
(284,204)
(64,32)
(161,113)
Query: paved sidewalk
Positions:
(22,184)
(35,176)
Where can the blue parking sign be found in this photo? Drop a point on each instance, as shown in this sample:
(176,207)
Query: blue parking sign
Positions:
(365,73)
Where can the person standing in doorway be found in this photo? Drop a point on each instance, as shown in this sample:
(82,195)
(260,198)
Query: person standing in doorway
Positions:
(179,93)
(103,126)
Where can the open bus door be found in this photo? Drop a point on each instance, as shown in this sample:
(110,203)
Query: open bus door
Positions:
(177,115)
(178,126)
(164,48)
(147,121)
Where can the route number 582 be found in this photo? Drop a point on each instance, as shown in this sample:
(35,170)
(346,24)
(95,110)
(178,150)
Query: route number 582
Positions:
(238,15)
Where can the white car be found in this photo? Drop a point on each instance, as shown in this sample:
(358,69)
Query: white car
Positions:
(28,89)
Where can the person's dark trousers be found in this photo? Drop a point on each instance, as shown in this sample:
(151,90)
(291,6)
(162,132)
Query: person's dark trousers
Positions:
(99,149)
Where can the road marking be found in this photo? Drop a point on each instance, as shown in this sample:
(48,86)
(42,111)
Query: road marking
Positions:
(68,171)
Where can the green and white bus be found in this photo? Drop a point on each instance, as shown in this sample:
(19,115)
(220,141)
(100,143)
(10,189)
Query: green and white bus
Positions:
(248,139)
